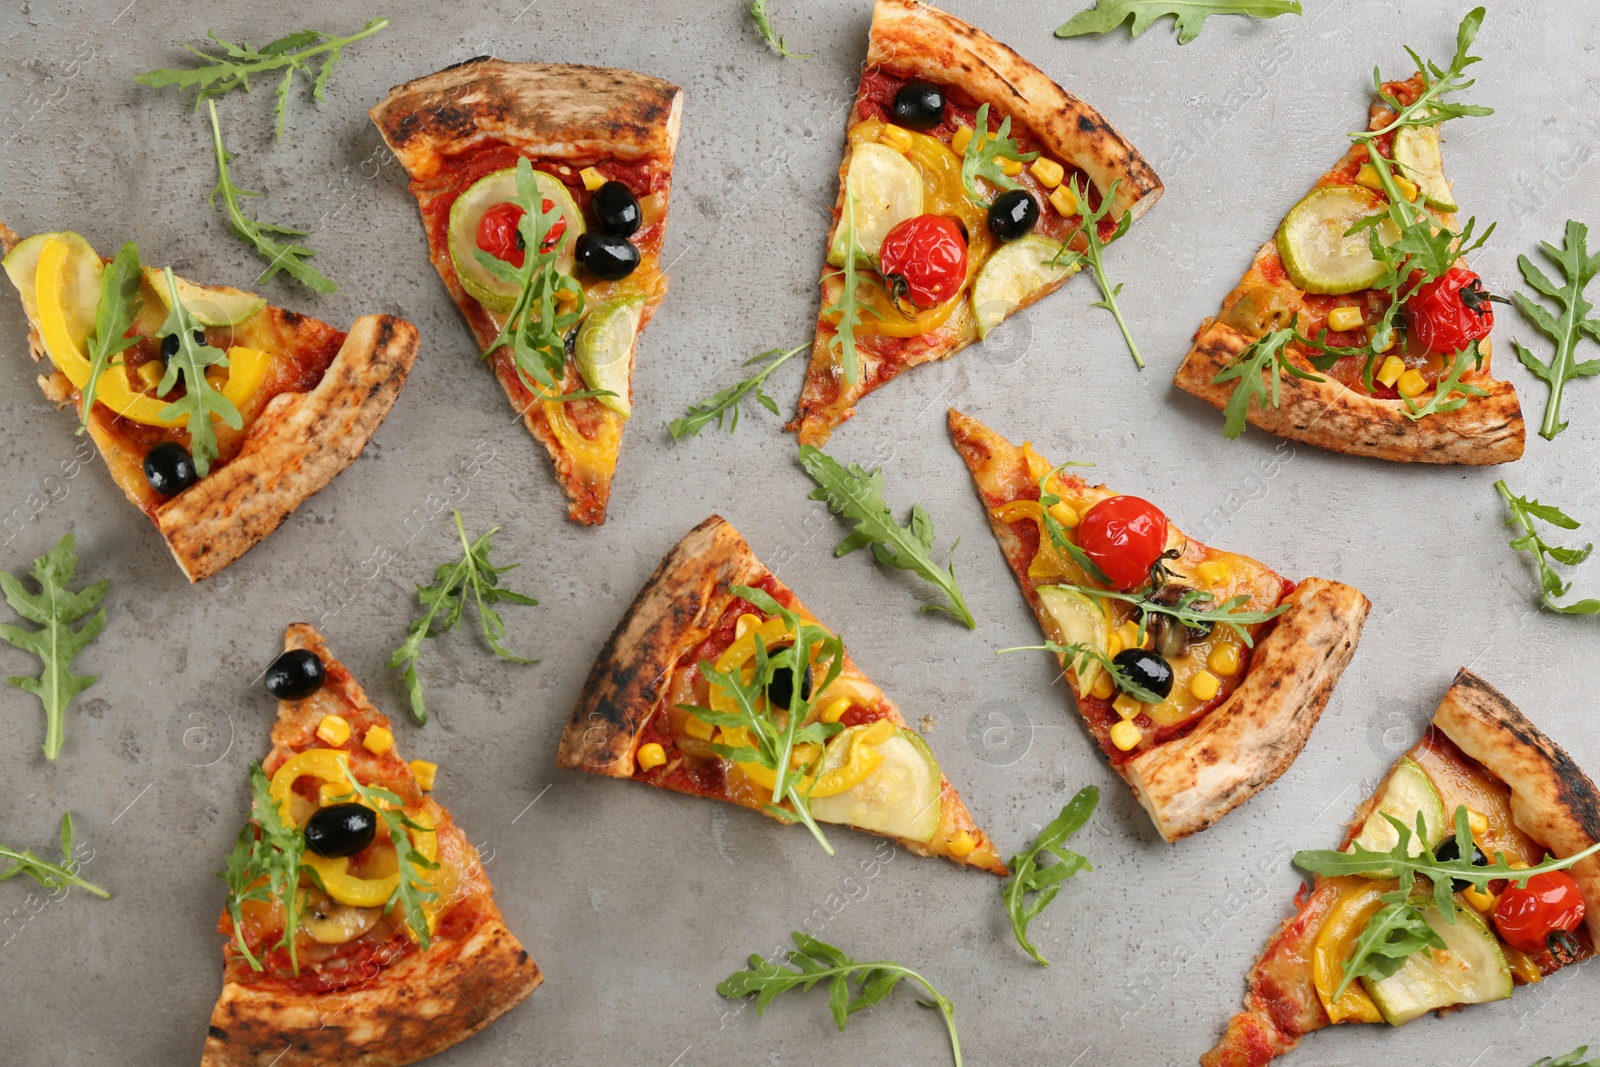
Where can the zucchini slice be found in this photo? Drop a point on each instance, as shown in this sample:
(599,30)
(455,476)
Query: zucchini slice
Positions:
(1318,250)
(1470,969)
(1416,152)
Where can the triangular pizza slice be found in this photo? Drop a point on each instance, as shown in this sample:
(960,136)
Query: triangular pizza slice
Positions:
(573,160)
(289,402)
(935,238)
(361,926)
(1489,790)
(1199,672)
(1325,343)
(695,691)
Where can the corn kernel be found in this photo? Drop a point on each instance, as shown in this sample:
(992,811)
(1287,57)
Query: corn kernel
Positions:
(149,373)
(1412,383)
(333,730)
(1126,736)
(592,179)
(1390,371)
(835,711)
(959,142)
(425,773)
(1344,318)
(1064,201)
(1372,331)
(1064,513)
(1205,685)
(1213,572)
(1367,177)
(1113,645)
(1010,167)
(1127,707)
(1048,171)
(896,138)
(1517,865)
(1224,659)
(1484,902)
(1478,822)
(378,740)
(697,728)
(330,792)
(651,756)
(1128,632)
(962,845)
(1407,187)
(1103,687)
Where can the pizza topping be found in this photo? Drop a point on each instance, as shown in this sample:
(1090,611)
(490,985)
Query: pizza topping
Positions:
(341,830)
(211,305)
(1014,273)
(885,189)
(1447,314)
(329,922)
(1411,797)
(992,155)
(919,105)
(295,674)
(1147,671)
(487,220)
(1453,959)
(1451,850)
(607,256)
(603,350)
(616,209)
(924,260)
(169,468)
(1416,156)
(1124,536)
(1013,214)
(1083,623)
(1533,918)
(899,794)
(1321,246)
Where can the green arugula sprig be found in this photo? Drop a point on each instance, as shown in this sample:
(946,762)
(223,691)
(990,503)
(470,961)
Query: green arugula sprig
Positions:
(475,576)
(776,732)
(856,495)
(1551,585)
(1094,253)
(265,866)
(1450,392)
(200,400)
(1395,932)
(1189,16)
(1578,269)
(1043,880)
(119,304)
(1571,1059)
(848,306)
(728,400)
(1081,655)
(1187,611)
(1057,533)
(1265,360)
(233,69)
(54,608)
(414,888)
(290,258)
(983,154)
(763,21)
(852,985)
(51,877)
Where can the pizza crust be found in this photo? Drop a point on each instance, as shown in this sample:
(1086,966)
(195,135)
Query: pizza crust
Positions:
(678,608)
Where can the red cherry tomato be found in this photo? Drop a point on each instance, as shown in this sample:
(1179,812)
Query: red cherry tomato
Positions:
(1549,903)
(498,235)
(1450,312)
(926,258)
(1124,535)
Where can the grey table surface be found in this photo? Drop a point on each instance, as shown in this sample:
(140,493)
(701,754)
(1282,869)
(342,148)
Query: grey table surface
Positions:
(635,904)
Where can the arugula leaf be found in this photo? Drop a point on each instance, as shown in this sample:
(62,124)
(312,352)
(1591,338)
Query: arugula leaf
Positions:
(1189,16)
(1079,653)
(983,154)
(1450,392)
(55,608)
(1264,359)
(852,985)
(1094,249)
(119,303)
(1028,875)
(728,400)
(289,258)
(848,306)
(856,495)
(50,876)
(758,12)
(200,400)
(1578,269)
(1571,1059)
(1057,533)
(414,888)
(1523,512)
(473,574)
(1395,931)
(1185,611)
(265,866)
(233,69)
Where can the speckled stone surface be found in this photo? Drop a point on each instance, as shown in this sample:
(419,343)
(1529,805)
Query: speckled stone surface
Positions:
(635,904)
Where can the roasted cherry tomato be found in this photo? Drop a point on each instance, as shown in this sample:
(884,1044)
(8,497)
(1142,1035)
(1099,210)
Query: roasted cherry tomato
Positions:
(1450,312)
(1550,903)
(1124,536)
(498,234)
(925,259)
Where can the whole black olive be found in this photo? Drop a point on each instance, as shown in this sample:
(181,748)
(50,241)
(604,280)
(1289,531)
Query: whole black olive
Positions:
(607,256)
(169,468)
(1146,669)
(1013,214)
(341,830)
(616,209)
(919,105)
(295,675)
(1450,850)
(169,343)
(781,688)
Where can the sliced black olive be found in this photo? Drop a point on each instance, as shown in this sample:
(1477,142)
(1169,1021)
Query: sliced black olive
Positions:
(781,688)
(169,468)
(1146,669)
(919,105)
(169,343)
(341,830)
(1450,850)
(1013,214)
(616,209)
(607,256)
(295,675)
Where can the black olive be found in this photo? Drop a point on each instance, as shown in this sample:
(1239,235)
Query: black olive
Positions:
(169,468)
(607,256)
(341,830)
(919,105)
(295,675)
(1146,669)
(1450,850)
(781,688)
(616,209)
(1013,214)
(169,343)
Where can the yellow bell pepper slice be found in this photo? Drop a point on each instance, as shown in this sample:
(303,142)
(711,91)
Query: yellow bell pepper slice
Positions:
(1357,903)
(325,764)
(864,759)
(247,369)
(346,888)
(594,458)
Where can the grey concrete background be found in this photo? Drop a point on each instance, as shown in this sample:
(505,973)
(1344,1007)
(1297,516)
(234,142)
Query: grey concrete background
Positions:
(636,904)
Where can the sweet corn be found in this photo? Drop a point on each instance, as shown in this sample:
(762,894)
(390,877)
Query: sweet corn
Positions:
(592,179)
(1103,687)
(378,740)
(896,138)
(1484,902)
(1390,371)
(1126,736)
(1048,171)
(425,773)
(1411,383)
(149,373)
(1204,685)
(333,730)
(1064,201)
(1010,167)
(1344,318)
(1224,659)
(959,142)
(835,711)
(962,845)
(697,728)
(1064,513)
(1127,707)
(651,756)
(1372,331)
(1128,632)
(1407,187)
(330,792)
(1213,572)
(1367,177)
(1113,645)
(1478,822)
(1517,865)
